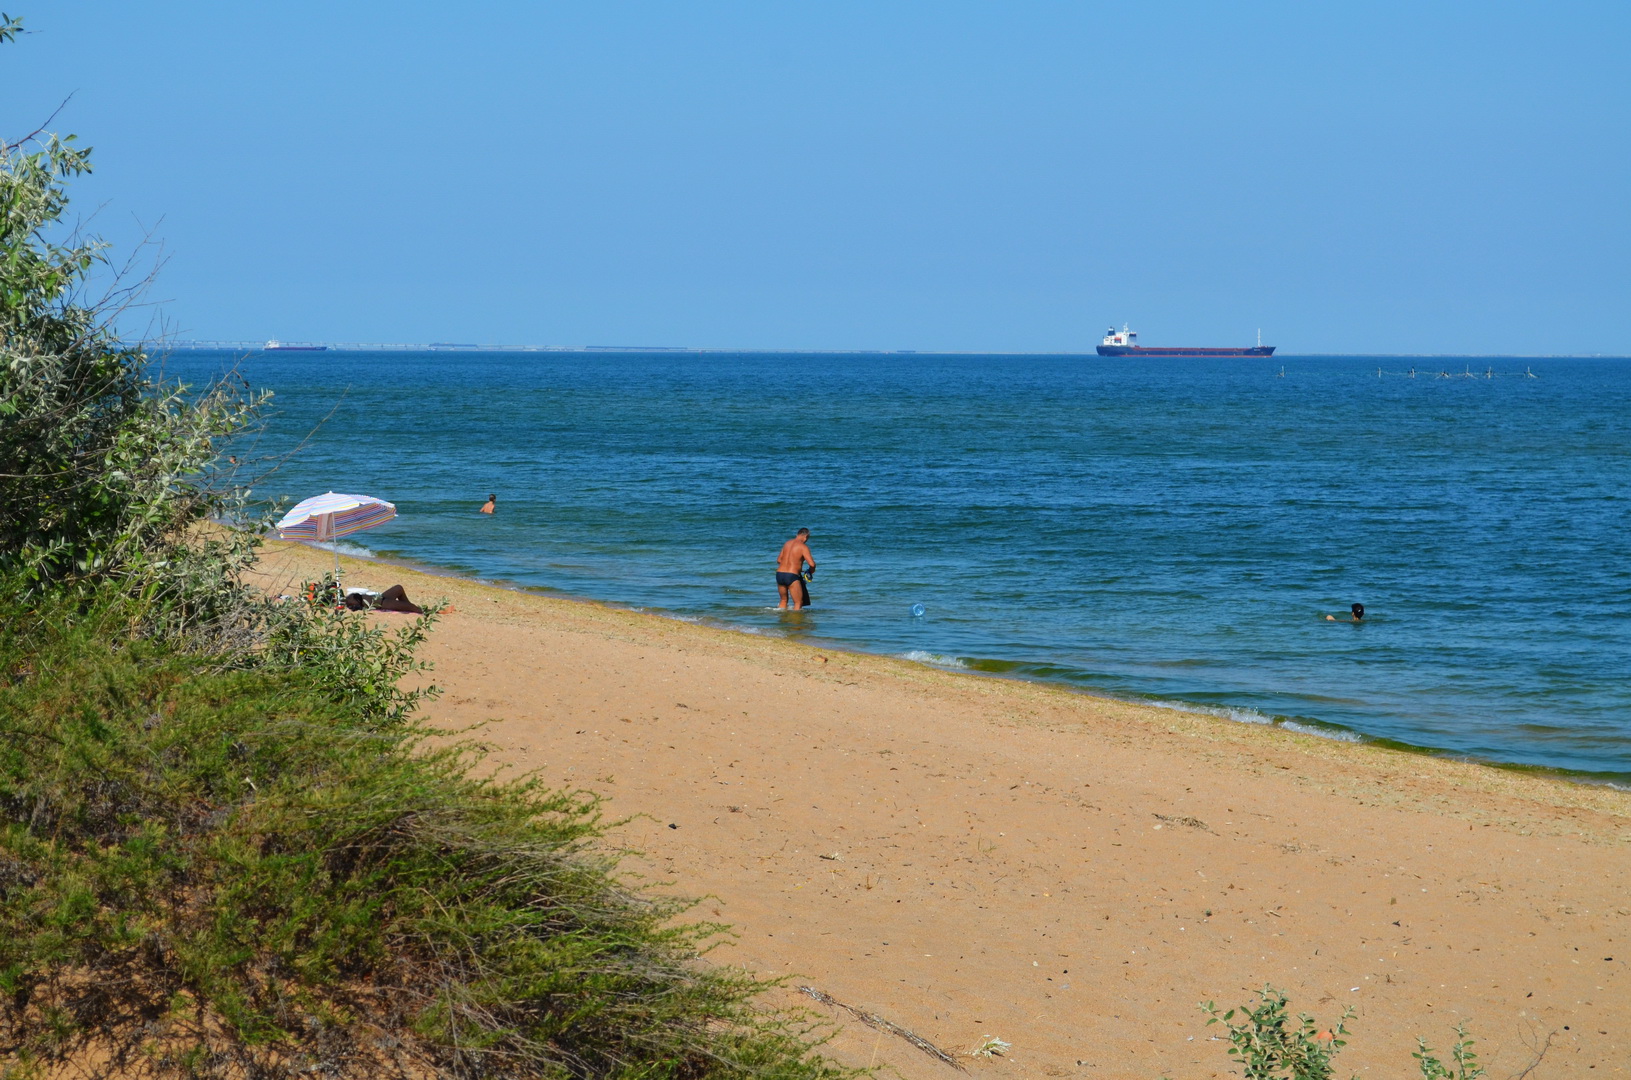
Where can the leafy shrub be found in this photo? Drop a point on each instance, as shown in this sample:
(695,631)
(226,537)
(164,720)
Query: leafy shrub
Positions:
(361,664)
(1463,1061)
(96,458)
(227,848)
(1267,1045)
(214,873)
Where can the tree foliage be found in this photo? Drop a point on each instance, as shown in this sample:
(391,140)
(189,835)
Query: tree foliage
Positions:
(228,847)
(99,463)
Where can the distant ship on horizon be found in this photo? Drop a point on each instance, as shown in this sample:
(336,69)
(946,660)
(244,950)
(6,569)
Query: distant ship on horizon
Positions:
(1124,342)
(277,346)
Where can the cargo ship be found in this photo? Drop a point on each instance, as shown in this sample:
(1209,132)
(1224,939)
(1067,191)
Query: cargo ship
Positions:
(277,346)
(1124,342)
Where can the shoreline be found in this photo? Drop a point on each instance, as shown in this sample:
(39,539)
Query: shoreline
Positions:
(970,857)
(1310,726)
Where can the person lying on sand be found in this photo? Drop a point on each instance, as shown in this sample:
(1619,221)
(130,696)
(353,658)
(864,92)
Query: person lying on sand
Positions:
(393,599)
(790,568)
(396,599)
(1358,615)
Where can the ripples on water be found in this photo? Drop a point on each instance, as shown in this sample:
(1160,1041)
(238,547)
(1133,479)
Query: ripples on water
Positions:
(1168,529)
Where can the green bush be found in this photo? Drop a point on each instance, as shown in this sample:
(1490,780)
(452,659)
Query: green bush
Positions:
(103,472)
(1463,1061)
(227,847)
(212,873)
(361,665)
(1267,1045)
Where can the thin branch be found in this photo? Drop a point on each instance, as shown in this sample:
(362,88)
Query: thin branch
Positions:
(873,1020)
(41,129)
(1533,1065)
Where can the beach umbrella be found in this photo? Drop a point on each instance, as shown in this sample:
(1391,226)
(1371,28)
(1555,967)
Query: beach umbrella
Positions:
(331,516)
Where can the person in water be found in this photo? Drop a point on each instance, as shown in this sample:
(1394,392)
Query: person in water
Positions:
(1358,611)
(490,505)
(790,569)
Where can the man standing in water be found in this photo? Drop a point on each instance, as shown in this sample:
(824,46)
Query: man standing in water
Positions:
(790,567)
(489,506)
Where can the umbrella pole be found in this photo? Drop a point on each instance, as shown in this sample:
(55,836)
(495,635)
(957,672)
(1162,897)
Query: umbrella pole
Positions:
(335,543)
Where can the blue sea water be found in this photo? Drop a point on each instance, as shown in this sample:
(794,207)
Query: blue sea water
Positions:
(1166,529)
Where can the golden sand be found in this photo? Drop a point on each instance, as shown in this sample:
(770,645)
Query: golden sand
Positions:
(971,857)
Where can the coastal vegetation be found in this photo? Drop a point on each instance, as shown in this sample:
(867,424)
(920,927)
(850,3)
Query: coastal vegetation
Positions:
(229,845)
(1268,1042)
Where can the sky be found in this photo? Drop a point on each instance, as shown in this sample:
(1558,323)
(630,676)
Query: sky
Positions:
(1412,177)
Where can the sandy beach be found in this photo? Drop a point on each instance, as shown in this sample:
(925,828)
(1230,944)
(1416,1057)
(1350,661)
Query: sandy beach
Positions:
(972,858)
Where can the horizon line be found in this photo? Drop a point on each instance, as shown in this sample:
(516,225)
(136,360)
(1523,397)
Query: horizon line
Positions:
(461,347)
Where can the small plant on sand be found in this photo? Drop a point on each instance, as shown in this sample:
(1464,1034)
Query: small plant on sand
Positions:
(1268,1045)
(1270,1048)
(1463,1062)
(991,1047)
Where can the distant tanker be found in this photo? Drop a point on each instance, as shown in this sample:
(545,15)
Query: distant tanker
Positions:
(1124,342)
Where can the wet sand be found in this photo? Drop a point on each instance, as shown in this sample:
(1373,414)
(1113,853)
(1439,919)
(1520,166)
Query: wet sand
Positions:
(970,857)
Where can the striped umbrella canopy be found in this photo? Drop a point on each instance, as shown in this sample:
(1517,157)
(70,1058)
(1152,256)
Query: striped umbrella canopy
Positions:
(331,516)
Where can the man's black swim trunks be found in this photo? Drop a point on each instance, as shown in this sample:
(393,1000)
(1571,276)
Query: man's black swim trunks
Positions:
(783,578)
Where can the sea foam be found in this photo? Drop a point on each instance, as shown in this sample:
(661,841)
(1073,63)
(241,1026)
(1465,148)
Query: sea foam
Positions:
(344,547)
(1241,715)
(919,656)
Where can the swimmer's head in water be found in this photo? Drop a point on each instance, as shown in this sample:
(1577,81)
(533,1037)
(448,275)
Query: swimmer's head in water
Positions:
(492,498)
(1359,611)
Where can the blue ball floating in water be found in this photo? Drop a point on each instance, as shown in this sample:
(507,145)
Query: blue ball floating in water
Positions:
(917,611)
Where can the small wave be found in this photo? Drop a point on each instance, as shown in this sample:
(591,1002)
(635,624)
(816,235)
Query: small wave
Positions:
(1252,716)
(345,548)
(1335,734)
(918,656)
(1222,712)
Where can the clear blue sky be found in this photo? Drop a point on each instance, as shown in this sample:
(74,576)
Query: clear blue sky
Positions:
(969,176)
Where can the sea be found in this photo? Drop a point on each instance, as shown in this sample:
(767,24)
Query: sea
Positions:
(1163,530)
